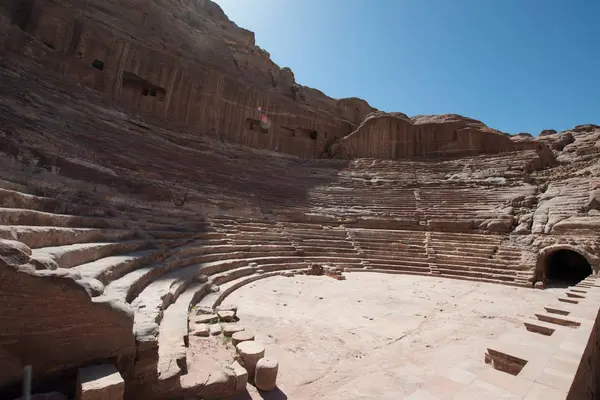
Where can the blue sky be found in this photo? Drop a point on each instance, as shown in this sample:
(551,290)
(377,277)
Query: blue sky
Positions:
(516,65)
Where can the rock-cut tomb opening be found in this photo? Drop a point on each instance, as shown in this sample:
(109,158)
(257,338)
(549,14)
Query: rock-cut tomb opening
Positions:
(566,267)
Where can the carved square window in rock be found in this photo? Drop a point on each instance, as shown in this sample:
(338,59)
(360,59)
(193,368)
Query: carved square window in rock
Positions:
(135,84)
(98,65)
(313,134)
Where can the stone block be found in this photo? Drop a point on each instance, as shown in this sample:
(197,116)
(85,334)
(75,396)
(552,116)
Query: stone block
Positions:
(99,382)
(241,376)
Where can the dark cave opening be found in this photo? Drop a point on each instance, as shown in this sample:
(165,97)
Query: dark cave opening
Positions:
(98,65)
(566,268)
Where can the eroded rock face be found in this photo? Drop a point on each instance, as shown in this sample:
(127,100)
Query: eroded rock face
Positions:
(189,64)
(136,138)
(181,61)
(394,135)
(49,322)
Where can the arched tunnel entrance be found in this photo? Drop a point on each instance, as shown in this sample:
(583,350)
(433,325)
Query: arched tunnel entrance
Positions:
(566,268)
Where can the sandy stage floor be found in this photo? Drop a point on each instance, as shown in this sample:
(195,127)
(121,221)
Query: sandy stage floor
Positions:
(379,336)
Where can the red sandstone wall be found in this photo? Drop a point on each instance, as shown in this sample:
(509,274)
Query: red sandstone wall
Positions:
(198,96)
(49,307)
(392,136)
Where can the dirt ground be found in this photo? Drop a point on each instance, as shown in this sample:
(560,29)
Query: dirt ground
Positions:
(378,336)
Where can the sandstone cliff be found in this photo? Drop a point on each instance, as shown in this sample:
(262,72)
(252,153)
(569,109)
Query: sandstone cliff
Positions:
(182,61)
(394,135)
(127,168)
(186,62)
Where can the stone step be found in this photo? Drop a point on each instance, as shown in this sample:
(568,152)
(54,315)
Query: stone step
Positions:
(325,243)
(489,276)
(465,249)
(389,255)
(402,271)
(400,261)
(173,332)
(17,216)
(458,238)
(393,247)
(108,269)
(15,187)
(49,236)
(449,275)
(214,299)
(283,266)
(75,254)
(210,257)
(151,302)
(15,199)
(258,238)
(324,251)
(400,266)
(215,238)
(490,264)
(558,319)
(541,327)
(386,235)
(127,287)
(280,242)
(232,274)
(209,249)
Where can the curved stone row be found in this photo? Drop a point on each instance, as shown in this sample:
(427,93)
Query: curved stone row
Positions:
(161,265)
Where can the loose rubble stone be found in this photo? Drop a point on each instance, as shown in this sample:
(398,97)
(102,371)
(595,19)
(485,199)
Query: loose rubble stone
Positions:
(199,310)
(241,376)
(227,307)
(226,316)
(242,336)
(215,329)
(250,352)
(204,318)
(266,374)
(201,330)
(539,285)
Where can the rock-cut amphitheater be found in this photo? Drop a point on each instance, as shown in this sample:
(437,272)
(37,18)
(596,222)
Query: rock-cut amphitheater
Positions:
(160,240)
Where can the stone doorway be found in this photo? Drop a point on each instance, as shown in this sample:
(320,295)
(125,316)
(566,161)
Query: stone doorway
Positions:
(565,267)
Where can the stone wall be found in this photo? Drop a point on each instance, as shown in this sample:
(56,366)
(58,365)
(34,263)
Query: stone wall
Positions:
(586,380)
(554,354)
(50,322)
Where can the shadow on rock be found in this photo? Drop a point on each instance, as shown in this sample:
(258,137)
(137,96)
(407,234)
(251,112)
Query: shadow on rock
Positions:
(275,394)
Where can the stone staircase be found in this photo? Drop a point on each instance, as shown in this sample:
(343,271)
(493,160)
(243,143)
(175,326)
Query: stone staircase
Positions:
(161,271)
